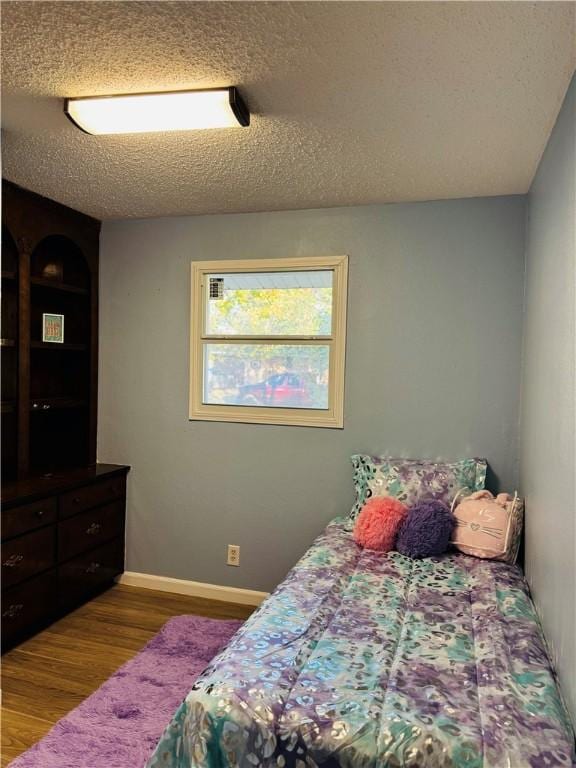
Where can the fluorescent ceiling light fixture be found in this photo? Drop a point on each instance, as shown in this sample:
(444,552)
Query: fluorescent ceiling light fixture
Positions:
(159,112)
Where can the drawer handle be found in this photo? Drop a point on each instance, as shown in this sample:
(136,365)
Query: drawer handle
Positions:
(93,567)
(40,513)
(12,611)
(93,529)
(76,499)
(12,561)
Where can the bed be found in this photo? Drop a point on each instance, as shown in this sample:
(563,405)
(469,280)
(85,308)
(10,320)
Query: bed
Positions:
(365,660)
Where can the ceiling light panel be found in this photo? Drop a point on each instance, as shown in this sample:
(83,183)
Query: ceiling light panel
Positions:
(159,112)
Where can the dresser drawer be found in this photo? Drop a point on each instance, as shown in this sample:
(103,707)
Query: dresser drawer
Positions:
(27,555)
(89,571)
(27,605)
(92,495)
(28,517)
(89,529)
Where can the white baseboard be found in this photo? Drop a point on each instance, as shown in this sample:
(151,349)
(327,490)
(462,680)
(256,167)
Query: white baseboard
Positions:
(192,588)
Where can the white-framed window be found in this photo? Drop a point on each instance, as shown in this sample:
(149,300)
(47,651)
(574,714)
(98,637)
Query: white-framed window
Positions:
(268,341)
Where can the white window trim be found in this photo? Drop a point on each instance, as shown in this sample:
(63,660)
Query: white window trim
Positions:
(333,417)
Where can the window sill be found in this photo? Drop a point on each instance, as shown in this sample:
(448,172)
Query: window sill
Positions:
(296,417)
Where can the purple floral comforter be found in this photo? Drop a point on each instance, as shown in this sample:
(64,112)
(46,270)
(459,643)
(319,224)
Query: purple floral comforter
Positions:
(366,660)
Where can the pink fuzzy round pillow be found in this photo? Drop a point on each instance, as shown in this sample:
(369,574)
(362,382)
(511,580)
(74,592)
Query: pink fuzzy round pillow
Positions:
(378,523)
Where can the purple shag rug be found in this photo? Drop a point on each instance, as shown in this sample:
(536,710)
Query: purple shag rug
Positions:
(119,725)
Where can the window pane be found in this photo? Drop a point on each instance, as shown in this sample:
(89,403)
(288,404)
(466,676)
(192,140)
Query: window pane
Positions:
(269,303)
(266,375)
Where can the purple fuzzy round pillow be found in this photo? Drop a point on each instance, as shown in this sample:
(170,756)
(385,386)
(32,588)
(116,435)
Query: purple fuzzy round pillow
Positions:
(426,530)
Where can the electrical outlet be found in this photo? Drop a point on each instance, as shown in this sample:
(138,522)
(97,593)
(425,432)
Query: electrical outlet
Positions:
(233,554)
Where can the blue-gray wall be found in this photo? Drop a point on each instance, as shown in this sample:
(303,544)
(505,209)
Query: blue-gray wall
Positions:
(548,461)
(433,367)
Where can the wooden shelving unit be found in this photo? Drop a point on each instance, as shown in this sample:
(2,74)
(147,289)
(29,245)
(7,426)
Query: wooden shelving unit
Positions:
(49,265)
(62,514)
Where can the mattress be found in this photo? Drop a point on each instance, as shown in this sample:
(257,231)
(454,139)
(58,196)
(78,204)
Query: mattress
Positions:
(378,661)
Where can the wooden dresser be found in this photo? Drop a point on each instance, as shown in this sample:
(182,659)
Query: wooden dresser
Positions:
(62,542)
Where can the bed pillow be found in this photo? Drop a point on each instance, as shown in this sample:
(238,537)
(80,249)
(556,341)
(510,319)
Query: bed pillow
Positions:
(412,480)
(426,530)
(489,527)
(378,523)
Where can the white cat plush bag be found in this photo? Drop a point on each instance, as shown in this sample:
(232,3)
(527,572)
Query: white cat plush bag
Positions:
(487,526)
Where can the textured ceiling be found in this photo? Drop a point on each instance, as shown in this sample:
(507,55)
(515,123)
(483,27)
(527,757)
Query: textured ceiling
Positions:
(352,102)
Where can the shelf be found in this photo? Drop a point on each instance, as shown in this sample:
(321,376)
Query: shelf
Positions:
(49,267)
(42,282)
(56,347)
(43,404)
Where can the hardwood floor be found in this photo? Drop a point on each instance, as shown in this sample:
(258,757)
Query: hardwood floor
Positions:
(50,674)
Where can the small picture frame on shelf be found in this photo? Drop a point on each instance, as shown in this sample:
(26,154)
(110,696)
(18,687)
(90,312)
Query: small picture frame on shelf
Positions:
(53,328)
